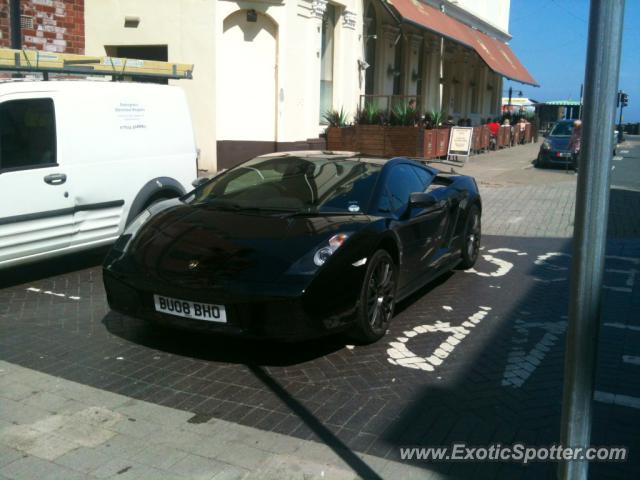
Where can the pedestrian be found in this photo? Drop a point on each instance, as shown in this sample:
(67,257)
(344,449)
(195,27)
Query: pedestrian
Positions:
(522,127)
(575,143)
(494,127)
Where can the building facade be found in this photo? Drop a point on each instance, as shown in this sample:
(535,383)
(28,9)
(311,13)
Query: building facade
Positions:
(48,25)
(266,71)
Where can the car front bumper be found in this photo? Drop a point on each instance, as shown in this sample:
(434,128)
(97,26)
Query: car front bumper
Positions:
(552,157)
(291,314)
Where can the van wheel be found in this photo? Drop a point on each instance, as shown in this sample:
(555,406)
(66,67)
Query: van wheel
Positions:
(152,201)
(157,199)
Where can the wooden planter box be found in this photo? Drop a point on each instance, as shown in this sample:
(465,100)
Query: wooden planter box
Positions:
(341,138)
(429,149)
(403,141)
(369,139)
(504,136)
(390,141)
(442,141)
(476,140)
(486,137)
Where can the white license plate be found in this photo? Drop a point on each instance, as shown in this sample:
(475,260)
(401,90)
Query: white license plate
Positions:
(564,154)
(188,309)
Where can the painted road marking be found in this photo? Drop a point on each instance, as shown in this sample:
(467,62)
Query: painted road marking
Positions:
(624,151)
(504,267)
(545,260)
(400,355)
(616,399)
(49,292)
(617,158)
(631,359)
(623,326)
(520,364)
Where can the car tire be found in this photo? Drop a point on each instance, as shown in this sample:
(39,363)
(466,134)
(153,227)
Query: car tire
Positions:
(377,298)
(538,162)
(472,237)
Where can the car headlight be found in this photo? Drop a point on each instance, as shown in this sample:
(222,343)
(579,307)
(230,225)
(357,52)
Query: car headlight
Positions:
(123,242)
(546,145)
(323,253)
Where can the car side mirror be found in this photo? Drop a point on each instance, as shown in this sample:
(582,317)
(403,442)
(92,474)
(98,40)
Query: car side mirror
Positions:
(199,181)
(422,200)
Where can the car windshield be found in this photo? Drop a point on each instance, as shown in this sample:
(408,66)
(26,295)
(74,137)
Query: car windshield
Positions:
(562,129)
(293,184)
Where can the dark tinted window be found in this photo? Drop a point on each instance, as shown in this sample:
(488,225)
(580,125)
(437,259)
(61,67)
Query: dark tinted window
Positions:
(294,184)
(400,184)
(562,129)
(27,133)
(424,177)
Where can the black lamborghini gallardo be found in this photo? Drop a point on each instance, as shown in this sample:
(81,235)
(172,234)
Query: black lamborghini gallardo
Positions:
(295,245)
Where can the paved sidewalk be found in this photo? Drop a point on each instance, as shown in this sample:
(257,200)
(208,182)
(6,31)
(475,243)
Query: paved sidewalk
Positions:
(51,428)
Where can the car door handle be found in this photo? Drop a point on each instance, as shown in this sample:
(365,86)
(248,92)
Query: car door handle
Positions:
(55,179)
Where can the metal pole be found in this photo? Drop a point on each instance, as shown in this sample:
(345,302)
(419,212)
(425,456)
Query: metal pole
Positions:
(589,238)
(620,121)
(16,33)
(581,100)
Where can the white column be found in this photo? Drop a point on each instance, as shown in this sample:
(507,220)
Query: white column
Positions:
(318,7)
(388,51)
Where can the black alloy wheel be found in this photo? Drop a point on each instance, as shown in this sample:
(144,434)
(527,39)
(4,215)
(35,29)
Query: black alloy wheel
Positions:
(377,298)
(472,236)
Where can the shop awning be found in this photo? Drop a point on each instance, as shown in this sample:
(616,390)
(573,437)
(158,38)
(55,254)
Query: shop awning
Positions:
(496,54)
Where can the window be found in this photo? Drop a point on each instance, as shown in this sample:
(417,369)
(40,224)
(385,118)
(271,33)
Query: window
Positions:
(370,35)
(27,133)
(326,61)
(420,71)
(400,184)
(424,176)
(141,52)
(457,95)
(294,184)
(398,67)
(475,90)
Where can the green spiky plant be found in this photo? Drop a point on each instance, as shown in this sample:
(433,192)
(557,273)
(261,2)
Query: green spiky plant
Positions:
(434,118)
(335,118)
(369,115)
(403,115)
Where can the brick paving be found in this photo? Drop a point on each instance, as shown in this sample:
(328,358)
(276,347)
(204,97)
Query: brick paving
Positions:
(462,375)
(354,398)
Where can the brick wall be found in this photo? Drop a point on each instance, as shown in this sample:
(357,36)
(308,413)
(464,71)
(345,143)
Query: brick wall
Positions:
(58,25)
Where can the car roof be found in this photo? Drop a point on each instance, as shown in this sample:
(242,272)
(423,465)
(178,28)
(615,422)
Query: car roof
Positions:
(327,155)
(348,156)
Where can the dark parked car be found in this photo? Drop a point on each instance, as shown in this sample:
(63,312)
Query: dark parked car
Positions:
(555,147)
(296,245)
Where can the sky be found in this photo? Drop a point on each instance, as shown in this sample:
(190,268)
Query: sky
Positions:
(550,39)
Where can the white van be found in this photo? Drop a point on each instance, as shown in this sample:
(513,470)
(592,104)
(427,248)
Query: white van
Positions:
(80,159)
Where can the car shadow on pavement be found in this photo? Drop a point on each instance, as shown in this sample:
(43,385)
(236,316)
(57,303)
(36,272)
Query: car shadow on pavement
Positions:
(219,348)
(53,267)
(213,347)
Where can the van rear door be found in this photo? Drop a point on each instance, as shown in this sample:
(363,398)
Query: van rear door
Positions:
(36,207)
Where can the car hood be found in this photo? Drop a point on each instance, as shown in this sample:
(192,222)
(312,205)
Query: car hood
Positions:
(204,244)
(558,143)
